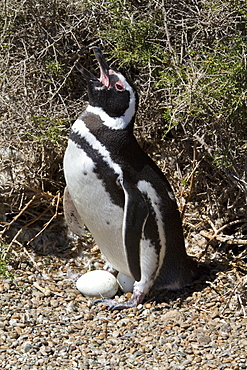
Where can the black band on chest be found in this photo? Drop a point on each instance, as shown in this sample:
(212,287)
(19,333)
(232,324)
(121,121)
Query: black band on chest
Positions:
(102,169)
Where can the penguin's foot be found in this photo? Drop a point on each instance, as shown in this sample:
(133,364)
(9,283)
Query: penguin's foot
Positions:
(137,298)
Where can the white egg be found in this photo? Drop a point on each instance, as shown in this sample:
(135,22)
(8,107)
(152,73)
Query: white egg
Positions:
(97,283)
(125,282)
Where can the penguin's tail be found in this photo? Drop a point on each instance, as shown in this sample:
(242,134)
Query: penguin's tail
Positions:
(176,276)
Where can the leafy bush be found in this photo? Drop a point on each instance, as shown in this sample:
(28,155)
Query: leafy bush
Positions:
(4,260)
(188,59)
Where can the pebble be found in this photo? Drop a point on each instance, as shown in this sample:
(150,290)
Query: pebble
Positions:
(46,324)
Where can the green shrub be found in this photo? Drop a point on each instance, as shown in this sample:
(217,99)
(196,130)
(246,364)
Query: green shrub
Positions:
(187,58)
(4,260)
(45,130)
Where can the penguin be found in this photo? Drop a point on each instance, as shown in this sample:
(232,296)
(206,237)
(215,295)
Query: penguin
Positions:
(120,194)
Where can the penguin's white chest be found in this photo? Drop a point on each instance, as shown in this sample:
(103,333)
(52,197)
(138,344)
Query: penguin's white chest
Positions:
(103,218)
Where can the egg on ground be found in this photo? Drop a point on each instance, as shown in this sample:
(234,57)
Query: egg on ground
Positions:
(98,283)
(125,282)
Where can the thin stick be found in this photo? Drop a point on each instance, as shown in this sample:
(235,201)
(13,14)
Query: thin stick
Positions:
(17,216)
(223,238)
(47,223)
(195,165)
(14,240)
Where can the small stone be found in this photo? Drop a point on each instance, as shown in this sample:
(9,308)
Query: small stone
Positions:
(209,356)
(27,346)
(18,329)
(6,286)
(203,339)
(88,316)
(103,307)
(39,362)
(35,302)
(54,303)
(172,315)
(128,295)
(67,330)
(123,322)
(243,342)
(2,325)
(101,336)
(215,314)
(15,317)
(43,351)
(48,349)
(115,333)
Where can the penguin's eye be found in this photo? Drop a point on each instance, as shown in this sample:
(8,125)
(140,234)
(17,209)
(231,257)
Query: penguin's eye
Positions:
(119,87)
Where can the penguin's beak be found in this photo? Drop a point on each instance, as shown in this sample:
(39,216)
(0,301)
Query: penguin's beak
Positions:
(104,68)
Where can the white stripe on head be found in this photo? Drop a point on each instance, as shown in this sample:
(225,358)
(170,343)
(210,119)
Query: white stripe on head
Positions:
(117,123)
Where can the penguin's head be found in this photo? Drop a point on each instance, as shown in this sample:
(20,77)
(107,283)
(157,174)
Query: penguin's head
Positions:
(111,91)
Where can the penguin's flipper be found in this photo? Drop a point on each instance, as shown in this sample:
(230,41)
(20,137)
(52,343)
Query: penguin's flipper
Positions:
(135,216)
(72,217)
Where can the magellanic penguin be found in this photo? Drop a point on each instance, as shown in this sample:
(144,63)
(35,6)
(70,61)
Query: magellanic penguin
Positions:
(119,193)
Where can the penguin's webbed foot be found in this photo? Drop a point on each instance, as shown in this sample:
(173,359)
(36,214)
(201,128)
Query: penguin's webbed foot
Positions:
(137,298)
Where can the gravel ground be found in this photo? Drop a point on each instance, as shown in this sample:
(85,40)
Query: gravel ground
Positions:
(45,323)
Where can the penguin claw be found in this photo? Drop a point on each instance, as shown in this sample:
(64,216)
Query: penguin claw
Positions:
(136,298)
(114,305)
